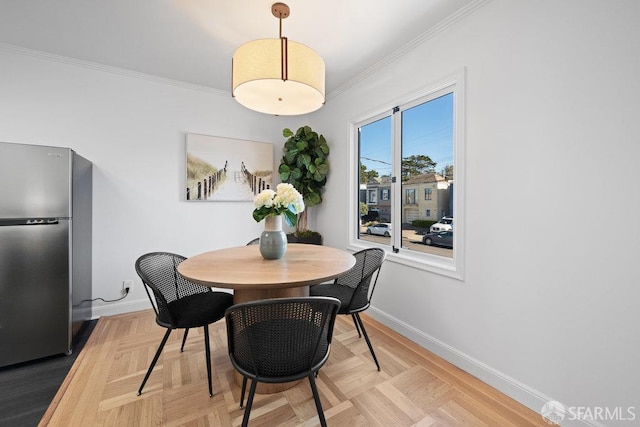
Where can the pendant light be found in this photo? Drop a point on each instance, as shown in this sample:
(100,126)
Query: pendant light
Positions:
(278,76)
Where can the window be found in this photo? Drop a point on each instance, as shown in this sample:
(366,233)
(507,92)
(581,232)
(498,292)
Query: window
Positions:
(410,199)
(416,148)
(373,197)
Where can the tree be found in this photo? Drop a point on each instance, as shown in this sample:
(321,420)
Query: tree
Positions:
(417,164)
(367,175)
(364,209)
(447,172)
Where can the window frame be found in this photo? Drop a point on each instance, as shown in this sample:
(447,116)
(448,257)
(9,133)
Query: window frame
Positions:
(451,267)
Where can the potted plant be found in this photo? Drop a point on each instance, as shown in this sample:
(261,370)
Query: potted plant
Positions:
(305,165)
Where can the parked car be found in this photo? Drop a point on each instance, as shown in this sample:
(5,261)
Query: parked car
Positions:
(381,229)
(442,238)
(446,223)
(372,215)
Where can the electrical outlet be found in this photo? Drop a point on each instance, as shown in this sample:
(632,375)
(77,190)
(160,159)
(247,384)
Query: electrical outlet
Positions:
(126,286)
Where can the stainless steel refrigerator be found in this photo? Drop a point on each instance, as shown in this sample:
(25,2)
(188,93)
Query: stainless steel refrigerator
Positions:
(45,250)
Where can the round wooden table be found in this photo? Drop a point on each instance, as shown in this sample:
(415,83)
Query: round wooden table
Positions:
(252,277)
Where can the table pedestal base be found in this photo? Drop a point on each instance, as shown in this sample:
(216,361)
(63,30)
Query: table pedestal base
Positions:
(246,295)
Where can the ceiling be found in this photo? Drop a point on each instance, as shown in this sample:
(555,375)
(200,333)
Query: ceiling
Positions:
(193,41)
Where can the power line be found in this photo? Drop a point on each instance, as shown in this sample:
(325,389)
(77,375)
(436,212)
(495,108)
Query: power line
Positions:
(374,160)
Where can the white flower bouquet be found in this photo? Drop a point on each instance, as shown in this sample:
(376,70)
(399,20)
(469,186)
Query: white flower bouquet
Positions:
(286,201)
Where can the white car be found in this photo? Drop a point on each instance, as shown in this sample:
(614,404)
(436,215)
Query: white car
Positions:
(445,224)
(381,229)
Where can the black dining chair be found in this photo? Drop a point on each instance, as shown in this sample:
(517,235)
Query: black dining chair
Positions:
(255,241)
(280,340)
(179,303)
(355,288)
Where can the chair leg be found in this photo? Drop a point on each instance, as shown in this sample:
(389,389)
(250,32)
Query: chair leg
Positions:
(316,397)
(353,316)
(366,337)
(207,352)
(247,410)
(184,339)
(244,387)
(155,359)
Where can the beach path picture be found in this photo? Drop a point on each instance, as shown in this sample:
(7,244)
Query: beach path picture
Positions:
(226,169)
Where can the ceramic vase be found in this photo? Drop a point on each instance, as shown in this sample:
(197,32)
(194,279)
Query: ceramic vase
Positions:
(273,241)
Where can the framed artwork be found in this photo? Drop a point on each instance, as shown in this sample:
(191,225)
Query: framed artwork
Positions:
(226,169)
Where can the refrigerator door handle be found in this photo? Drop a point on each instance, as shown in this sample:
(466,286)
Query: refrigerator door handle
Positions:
(31,221)
(42,221)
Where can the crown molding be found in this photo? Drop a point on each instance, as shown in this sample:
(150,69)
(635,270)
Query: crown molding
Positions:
(413,44)
(19,50)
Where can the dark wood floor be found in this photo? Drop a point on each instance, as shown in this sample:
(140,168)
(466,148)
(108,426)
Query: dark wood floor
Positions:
(26,389)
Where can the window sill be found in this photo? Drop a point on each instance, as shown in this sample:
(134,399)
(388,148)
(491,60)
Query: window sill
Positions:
(430,263)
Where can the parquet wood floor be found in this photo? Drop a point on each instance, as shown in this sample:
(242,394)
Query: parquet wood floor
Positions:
(414,388)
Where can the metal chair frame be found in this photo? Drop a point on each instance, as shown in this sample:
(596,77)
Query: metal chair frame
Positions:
(280,340)
(362,278)
(183,288)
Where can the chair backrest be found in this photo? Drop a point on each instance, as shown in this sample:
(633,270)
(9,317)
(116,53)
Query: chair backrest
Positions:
(159,272)
(368,262)
(281,339)
(254,241)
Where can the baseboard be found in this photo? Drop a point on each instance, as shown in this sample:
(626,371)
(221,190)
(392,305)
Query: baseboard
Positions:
(120,308)
(513,388)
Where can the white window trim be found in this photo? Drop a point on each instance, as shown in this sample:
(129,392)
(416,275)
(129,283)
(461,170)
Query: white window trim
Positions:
(454,267)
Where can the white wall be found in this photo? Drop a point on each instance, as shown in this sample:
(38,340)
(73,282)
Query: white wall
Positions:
(549,306)
(133,130)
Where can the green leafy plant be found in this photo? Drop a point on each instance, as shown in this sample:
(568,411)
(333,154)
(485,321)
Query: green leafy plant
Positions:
(305,165)
(307,233)
(422,223)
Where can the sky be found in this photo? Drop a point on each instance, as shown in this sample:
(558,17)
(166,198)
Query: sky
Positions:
(427,129)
